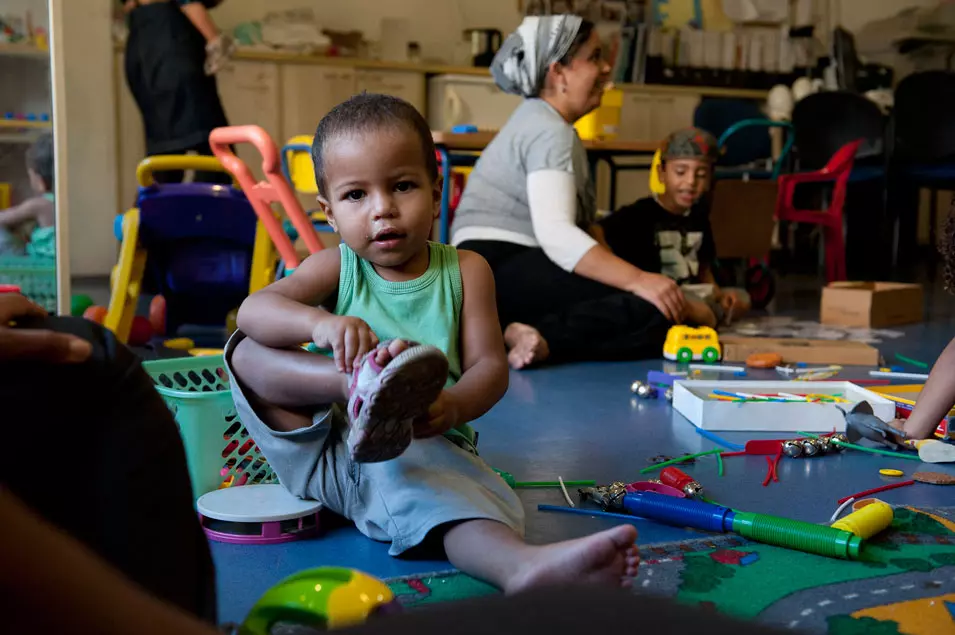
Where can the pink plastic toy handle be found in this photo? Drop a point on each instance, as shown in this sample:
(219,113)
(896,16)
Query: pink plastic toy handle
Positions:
(262,194)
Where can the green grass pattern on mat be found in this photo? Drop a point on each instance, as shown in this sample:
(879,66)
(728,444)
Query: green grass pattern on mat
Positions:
(745,591)
(440,586)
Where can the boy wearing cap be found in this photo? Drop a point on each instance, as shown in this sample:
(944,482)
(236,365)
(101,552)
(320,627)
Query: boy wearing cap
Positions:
(670,233)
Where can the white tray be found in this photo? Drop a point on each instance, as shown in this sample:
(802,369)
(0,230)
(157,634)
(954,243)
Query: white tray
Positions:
(691,399)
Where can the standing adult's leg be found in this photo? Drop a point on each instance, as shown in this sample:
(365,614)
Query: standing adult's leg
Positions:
(223,178)
(93,449)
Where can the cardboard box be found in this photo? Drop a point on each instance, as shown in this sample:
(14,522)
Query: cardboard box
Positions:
(691,399)
(737,349)
(871,304)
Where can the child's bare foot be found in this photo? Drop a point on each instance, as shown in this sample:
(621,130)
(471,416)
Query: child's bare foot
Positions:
(525,345)
(609,557)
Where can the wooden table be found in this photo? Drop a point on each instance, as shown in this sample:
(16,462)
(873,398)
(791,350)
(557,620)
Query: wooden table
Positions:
(458,148)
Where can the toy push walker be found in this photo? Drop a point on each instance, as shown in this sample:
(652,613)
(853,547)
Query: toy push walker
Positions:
(201,248)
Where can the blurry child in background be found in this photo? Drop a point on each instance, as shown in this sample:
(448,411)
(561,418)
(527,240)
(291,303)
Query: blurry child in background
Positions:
(670,233)
(27,228)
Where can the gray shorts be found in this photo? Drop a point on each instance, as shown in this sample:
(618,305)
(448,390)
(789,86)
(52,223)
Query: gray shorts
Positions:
(399,501)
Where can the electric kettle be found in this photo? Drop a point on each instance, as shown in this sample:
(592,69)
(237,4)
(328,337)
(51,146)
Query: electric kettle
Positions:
(484,44)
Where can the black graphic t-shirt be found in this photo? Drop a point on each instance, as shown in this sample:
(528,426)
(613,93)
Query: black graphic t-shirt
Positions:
(649,237)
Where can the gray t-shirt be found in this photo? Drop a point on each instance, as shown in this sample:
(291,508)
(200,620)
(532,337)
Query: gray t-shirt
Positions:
(535,138)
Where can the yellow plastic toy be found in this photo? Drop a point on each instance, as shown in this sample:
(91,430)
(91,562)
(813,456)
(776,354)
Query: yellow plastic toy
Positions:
(602,124)
(656,185)
(126,277)
(686,344)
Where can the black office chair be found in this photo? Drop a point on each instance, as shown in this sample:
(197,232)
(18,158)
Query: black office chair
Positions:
(824,122)
(921,152)
(716,115)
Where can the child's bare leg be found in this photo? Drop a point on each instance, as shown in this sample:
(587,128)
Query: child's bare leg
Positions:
(287,384)
(699,313)
(492,551)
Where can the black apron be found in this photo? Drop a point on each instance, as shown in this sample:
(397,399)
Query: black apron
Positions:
(165,54)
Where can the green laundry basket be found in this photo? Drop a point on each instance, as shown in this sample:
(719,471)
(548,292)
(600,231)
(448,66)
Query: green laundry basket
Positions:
(219,449)
(35,276)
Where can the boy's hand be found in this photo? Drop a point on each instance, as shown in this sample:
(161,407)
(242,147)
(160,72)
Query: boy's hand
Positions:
(35,345)
(442,416)
(663,293)
(349,338)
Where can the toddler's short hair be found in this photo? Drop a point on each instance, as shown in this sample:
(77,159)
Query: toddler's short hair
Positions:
(370,111)
(40,159)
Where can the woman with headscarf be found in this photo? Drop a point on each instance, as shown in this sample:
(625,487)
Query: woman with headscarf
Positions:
(530,209)
(173,51)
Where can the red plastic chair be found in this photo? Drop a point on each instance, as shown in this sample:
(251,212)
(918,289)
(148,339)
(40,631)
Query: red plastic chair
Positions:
(837,171)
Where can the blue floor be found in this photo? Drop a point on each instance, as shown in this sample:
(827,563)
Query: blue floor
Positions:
(581,422)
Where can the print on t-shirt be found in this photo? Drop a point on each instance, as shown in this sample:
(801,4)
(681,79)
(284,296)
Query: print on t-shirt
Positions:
(679,254)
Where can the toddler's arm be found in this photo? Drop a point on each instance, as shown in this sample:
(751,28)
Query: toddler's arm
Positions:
(935,400)
(28,210)
(285,313)
(483,356)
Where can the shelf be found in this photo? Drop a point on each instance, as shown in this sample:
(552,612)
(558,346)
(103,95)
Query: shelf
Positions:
(26,137)
(16,124)
(23,50)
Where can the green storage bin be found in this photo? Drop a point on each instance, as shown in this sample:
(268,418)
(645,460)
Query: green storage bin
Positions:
(219,449)
(35,276)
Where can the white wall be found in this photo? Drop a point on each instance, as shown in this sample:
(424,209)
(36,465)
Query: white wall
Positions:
(852,15)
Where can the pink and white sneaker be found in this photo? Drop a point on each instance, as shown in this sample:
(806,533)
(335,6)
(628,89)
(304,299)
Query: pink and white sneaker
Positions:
(384,401)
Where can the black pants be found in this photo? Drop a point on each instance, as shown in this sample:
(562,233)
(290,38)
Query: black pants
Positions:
(581,319)
(176,176)
(93,449)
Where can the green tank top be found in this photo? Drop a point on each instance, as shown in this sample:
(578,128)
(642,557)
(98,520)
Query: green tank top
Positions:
(426,310)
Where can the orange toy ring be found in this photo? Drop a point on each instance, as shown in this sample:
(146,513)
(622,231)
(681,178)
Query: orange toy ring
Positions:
(764,360)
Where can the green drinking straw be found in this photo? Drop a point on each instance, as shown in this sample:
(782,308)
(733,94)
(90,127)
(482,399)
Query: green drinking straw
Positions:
(719,460)
(853,446)
(681,459)
(544,484)
(909,360)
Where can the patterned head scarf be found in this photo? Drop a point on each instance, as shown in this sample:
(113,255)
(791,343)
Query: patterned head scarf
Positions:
(521,64)
(690,143)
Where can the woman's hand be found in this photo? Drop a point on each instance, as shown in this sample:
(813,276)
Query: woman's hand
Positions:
(35,345)
(663,293)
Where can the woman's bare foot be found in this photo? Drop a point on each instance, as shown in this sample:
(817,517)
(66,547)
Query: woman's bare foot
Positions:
(609,557)
(525,345)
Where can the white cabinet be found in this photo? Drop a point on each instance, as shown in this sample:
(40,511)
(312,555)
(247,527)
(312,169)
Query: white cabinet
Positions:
(250,95)
(409,86)
(308,93)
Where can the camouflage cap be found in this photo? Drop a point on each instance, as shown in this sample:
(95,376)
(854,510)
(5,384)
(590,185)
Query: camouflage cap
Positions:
(690,143)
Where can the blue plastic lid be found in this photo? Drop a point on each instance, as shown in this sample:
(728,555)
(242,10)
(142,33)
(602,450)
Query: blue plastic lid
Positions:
(464,129)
